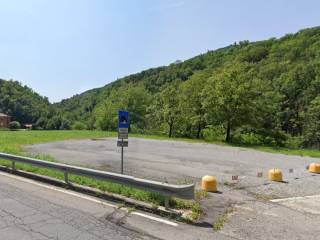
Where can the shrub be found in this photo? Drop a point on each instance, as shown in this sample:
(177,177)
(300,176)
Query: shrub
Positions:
(248,139)
(14,125)
(213,133)
(275,138)
(135,129)
(294,142)
(79,126)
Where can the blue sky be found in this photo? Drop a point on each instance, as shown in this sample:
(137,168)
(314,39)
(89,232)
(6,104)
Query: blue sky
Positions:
(64,47)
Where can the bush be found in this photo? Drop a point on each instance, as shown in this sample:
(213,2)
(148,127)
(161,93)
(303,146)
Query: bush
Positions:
(294,142)
(79,126)
(65,124)
(275,138)
(248,139)
(135,129)
(40,124)
(14,125)
(214,133)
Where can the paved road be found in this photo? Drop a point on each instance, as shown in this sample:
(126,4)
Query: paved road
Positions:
(251,213)
(31,210)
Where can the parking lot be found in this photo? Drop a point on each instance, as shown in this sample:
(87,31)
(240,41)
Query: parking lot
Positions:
(245,201)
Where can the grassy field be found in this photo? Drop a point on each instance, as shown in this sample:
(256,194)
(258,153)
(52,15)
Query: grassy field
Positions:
(11,141)
(300,152)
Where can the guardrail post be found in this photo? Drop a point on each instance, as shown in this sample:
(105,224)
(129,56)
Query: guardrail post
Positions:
(165,189)
(166,202)
(66,177)
(13,166)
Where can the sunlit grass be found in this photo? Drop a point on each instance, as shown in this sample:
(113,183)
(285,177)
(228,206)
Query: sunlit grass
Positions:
(271,149)
(11,141)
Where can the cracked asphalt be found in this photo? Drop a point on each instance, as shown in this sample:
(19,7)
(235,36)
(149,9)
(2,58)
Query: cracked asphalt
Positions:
(179,162)
(243,206)
(29,210)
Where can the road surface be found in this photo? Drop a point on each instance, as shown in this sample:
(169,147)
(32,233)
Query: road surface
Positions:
(179,162)
(32,210)
(253,207)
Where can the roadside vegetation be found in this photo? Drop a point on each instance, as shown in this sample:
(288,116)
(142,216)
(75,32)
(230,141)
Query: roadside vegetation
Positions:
(11,142)
(310,152)
(222,219)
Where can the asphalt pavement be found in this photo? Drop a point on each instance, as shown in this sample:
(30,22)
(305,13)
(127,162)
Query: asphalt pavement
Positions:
(248,208)
(32,210)
(180,162)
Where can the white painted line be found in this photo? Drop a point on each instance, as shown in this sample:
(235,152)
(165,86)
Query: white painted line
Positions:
(155,219)
(79,195)
(57,189)
(294,198)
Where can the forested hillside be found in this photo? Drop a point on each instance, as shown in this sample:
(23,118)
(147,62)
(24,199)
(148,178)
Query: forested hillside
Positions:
(259,92)
(22,103)
(265,92)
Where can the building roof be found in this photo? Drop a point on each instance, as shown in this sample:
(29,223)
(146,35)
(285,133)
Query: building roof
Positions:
(3,115)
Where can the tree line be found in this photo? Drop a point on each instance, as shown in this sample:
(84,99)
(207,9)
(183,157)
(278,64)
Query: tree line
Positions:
(265,92)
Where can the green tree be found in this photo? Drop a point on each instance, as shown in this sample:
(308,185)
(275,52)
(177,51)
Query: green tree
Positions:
(133,99)
(231,97)
(165,108)
(191,103)
(312,132)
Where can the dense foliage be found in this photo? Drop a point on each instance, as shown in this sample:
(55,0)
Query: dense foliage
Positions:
(27,107)
(265,92)
(261,92)
(21,102)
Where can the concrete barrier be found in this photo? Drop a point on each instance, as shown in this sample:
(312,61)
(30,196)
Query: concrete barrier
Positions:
(209,184)
(275,175)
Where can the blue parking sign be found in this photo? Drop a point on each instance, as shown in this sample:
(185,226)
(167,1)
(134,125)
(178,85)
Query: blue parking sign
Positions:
(123,119)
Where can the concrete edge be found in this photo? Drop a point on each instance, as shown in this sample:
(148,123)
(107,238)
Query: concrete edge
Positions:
(115,198)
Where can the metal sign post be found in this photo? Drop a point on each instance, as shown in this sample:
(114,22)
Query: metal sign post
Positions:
(123,127)
(122,156)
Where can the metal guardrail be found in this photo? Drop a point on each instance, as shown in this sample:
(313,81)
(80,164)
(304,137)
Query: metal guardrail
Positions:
(168,190)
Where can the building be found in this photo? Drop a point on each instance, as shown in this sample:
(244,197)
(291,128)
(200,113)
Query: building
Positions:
(27,126)
(4,120)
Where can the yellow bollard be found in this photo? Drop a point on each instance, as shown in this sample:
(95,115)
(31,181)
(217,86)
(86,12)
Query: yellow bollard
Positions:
(314,168)
(275,175)
(209,184)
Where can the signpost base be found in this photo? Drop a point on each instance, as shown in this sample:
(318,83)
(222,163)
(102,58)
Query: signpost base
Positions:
(122,156)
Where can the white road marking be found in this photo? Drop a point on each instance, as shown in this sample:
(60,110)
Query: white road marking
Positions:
(79,195)
(155,219)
